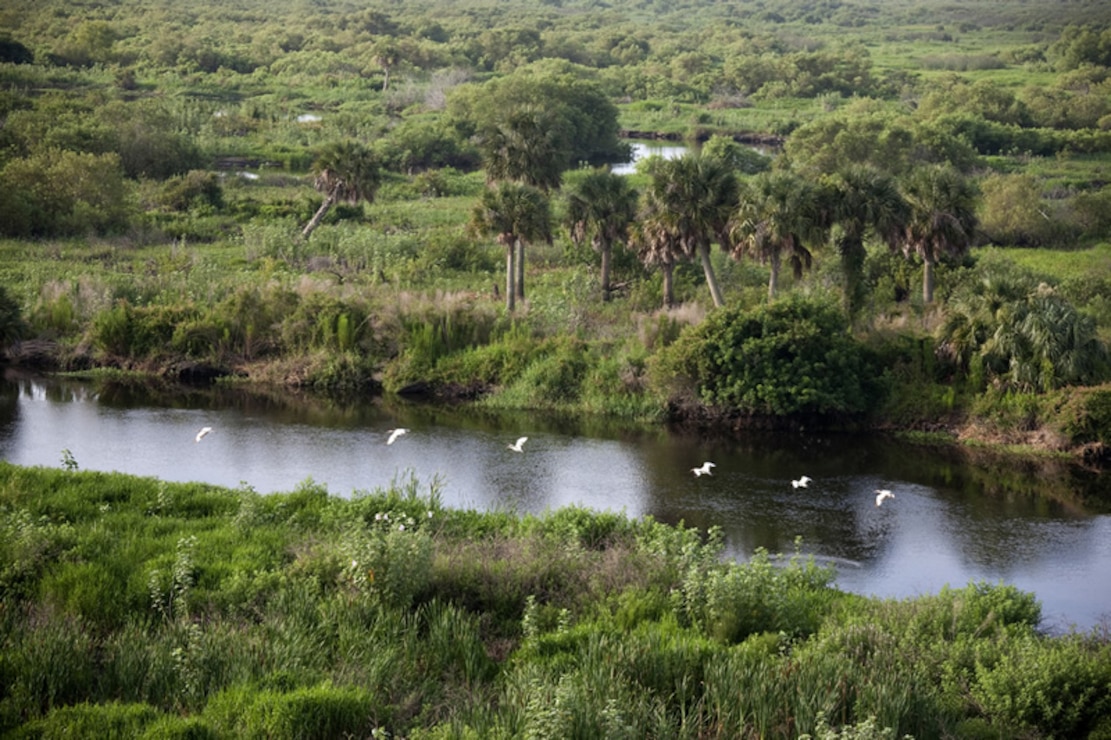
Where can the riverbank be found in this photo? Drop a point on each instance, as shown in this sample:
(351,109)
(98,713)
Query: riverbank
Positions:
(1067,425)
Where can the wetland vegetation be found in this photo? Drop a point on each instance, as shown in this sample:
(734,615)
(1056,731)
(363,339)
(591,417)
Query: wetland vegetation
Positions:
(362,197)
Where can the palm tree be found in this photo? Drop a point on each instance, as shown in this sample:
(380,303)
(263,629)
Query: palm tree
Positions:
(777,214)
(693,197)
(657,246)
(863,201)
(344,171)
(601,206)
(514,214)
(525,146)
(942,219)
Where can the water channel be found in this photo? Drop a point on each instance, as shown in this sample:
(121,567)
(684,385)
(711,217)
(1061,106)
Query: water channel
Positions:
(952,521)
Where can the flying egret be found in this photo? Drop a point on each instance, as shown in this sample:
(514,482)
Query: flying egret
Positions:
(802,482)
(883,494)
(394,434)
(703,470)
(516,446)
(200,434)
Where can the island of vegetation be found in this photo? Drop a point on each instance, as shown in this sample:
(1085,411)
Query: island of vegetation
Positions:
(889,216)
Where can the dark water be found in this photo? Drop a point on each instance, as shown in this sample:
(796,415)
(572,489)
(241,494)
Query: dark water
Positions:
(952,521)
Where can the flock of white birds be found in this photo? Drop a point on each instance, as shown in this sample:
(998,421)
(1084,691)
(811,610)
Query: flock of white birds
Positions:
(882,494)
(706,468)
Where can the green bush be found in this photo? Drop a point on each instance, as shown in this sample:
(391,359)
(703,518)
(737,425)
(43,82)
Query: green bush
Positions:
(731,603)
(1060,688)
(195,189)
(138,332)
(57,193)
(323,711)
(792,357)
(114,721)
(12,325)
(1087,416)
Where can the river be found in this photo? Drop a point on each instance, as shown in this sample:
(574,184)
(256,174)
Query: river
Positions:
(950,522)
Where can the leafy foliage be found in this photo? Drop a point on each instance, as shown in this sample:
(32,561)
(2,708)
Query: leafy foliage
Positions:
(791,357)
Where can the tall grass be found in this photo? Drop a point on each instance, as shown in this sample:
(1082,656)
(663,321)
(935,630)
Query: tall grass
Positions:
(134,608)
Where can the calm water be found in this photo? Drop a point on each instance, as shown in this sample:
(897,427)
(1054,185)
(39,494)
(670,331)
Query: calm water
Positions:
(643,149)
(951,522)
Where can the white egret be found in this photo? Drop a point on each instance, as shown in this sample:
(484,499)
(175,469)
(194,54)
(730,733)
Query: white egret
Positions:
(882,494)
(516,446)
(704,469)
(394,434)
(200,434)
(802,482)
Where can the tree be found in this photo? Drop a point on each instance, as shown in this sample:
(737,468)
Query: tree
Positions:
(513,214)
(579,120)
(1005,327)
(345,172)
(778,212)
(601,207)
(693,198)
(657,246)
(741,157)
(942,219)
(864,201)
(55,192)
(528,145)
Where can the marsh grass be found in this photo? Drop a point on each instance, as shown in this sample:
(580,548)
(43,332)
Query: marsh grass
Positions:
(304,614)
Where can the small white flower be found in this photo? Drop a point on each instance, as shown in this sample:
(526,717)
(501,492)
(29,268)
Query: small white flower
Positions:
(400,527)
(378,517)
(429,513)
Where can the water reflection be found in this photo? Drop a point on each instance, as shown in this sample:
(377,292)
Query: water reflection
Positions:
(953,520)
(644,149)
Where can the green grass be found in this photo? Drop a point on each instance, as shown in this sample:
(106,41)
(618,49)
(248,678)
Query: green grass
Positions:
(140,608)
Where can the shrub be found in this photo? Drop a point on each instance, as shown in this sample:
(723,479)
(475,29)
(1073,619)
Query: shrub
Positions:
(321,711)
(138,331)
(114,721)
(1059,688)
(12,325)
(57,192)
(196,188)
(730,602)
(792,357)
(1087,416)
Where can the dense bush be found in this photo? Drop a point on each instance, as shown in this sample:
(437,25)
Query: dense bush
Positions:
(57,192)
(794,356)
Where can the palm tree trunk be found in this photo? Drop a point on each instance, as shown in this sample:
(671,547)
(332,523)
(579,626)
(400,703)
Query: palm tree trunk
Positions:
(773,277)
(520,269)
(711,279)
(927,280)
(669,285)
(607,255)
(510,275)
(318,216)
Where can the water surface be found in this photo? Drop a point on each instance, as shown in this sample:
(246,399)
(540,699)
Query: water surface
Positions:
(952,521)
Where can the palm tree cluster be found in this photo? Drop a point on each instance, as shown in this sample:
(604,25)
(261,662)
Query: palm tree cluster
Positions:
(782,216)
(1016,333)
(690,203)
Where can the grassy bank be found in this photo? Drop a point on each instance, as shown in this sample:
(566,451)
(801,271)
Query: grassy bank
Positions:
(138,608)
